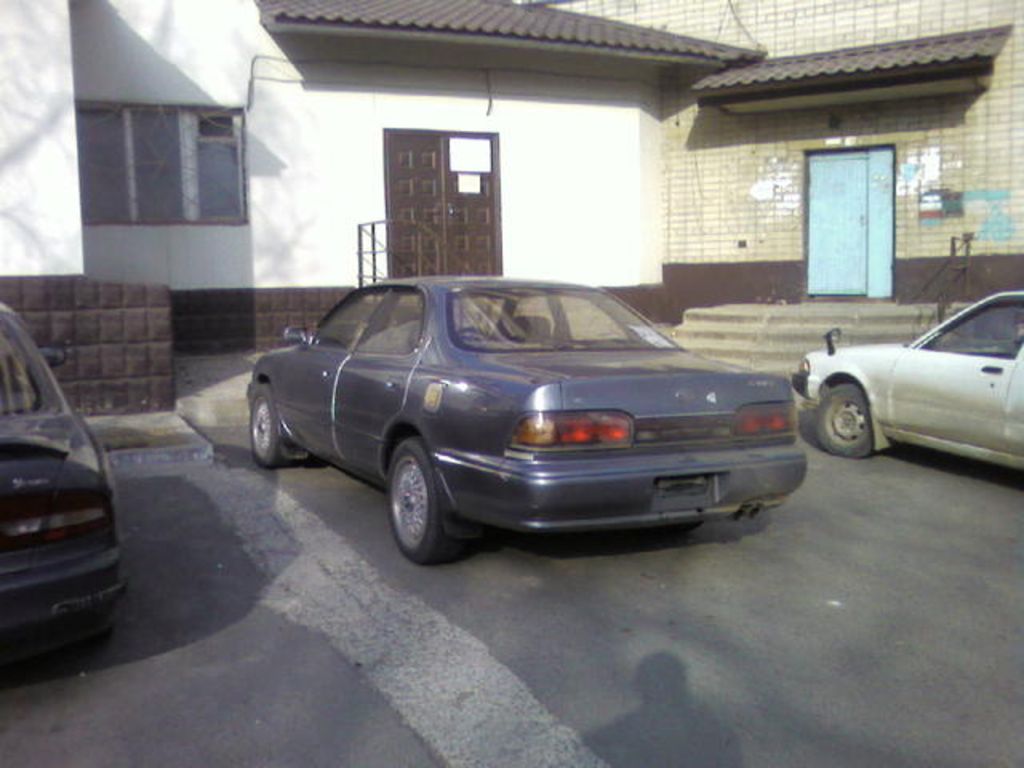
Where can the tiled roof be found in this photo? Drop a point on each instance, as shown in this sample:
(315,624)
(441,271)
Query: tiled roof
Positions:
(979,45)
(500,21)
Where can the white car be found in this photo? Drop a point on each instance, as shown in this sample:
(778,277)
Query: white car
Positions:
(959,388)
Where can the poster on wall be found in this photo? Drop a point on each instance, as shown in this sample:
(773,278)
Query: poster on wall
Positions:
(469,155)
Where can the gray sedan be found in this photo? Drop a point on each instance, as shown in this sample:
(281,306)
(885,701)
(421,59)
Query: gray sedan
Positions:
(521,405)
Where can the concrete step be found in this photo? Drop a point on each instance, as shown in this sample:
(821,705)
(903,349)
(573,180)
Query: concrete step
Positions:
(777,349)
(775,337)
(860,313)
(150,438)
(709,333)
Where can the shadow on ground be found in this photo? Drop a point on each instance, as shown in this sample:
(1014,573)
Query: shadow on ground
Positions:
(722,530)
(669,721)
(188,578)
(924,457)
(958,465)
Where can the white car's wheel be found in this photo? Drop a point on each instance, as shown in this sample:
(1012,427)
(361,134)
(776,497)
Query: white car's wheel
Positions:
(844,422)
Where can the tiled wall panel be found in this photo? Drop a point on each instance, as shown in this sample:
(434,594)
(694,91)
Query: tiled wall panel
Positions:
(118,339)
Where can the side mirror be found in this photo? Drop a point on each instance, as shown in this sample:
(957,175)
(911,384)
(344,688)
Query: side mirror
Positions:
(830,340)
(54,356)
(295,335)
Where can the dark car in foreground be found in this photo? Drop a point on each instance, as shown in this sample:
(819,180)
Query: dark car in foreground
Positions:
(526,406)
(59,555)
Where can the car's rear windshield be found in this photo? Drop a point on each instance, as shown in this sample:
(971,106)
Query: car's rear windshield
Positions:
(19,387)
(525,319)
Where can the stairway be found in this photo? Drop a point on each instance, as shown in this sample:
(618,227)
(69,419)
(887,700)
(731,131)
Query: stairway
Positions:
(774,337)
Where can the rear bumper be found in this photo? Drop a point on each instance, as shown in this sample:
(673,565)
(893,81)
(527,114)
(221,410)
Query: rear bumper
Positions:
(46,607)
(617,491)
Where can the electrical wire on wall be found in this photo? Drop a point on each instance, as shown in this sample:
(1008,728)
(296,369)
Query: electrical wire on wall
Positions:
(486,72)
(730,6)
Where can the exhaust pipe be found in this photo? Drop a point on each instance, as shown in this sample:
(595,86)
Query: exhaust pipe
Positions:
(749,509)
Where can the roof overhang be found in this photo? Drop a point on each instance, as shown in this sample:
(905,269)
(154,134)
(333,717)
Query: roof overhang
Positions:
(949,64)
(497,25)
(466,38)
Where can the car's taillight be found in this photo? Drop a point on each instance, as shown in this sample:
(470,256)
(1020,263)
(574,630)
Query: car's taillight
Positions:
(573,429)
(31,521)
(764,419)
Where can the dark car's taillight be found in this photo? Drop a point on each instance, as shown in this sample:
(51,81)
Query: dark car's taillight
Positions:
(565,430)
(35,520)
(764,420)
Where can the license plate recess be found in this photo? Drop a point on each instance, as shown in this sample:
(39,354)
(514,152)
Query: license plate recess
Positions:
(684,492)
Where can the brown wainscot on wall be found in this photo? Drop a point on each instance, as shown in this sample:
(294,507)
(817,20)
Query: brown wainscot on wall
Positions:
(958,278)
(754,282)
(221,320)
(949,279)
(118,339)
(652,301)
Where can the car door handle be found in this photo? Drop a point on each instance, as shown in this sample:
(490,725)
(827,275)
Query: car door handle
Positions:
(995,370)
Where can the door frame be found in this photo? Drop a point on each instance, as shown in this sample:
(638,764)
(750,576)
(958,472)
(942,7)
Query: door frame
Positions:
(808,154)
(495,181)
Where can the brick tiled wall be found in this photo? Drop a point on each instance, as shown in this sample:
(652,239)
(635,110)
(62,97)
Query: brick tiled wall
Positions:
(118,338)
(735,183)
(217,320)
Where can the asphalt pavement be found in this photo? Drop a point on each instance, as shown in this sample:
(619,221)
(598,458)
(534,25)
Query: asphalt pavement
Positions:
(875,619)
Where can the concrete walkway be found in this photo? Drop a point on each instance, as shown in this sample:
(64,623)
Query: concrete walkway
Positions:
(211,396)
(211,388)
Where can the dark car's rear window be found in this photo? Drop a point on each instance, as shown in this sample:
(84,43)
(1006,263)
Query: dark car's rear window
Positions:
(19,388)
(546,319)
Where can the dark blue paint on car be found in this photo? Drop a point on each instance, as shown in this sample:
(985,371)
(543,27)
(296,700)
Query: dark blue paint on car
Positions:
(522,405)
(59,556)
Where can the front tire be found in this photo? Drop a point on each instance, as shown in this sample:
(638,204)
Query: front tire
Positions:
(268,449)
(414,509)
(844,422)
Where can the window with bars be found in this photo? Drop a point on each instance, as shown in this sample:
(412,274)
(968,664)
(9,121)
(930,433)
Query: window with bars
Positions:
(160,165)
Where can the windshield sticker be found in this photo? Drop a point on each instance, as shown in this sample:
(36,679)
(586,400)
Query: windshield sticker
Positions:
(651,336)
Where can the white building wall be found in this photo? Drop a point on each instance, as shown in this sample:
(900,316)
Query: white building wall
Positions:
(579,158)
(40,230)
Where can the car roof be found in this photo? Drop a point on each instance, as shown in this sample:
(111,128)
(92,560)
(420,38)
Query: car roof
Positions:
(449,282)
(1005,295)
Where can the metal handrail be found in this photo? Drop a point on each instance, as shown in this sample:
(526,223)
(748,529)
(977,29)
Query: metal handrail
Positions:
(371,247)
(956,265)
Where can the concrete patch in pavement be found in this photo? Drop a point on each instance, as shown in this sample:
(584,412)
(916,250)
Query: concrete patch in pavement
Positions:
(150,438)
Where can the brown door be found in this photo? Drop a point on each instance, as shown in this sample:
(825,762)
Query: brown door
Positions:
(442,203)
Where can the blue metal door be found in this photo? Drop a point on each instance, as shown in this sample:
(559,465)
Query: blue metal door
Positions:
(850,224)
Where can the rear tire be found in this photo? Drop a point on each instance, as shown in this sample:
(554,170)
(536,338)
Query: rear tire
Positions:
(844,422)
(268,449)
(414,509)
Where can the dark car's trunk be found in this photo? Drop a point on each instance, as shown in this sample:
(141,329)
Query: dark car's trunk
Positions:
(49,480)
(649,383)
